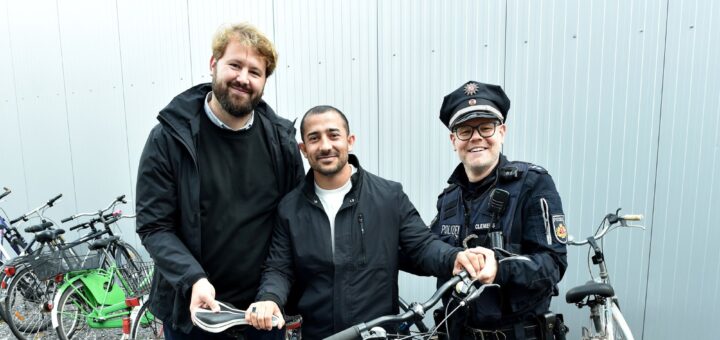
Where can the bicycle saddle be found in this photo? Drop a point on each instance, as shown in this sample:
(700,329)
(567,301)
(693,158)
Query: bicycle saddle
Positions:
(228,316)
(47,235)
(38,227)
(579,293)
(99,244)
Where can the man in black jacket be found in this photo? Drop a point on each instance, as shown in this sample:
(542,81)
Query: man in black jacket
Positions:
(337,238)
(210,178)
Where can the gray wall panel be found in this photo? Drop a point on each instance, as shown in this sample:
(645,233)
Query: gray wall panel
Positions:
(321,68)
(95,110)
(585,80)
(41,103)
(12,171)
(154,50)
(683,280)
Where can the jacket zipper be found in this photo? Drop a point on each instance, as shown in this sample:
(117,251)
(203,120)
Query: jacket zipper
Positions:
(361,220)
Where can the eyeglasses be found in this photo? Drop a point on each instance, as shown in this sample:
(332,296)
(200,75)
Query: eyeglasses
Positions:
(465,132)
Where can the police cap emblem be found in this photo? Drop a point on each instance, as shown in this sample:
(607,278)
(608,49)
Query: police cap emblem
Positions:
(470,89)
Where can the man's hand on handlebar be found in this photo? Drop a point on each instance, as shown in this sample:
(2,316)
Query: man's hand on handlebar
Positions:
(203,296)
(259,315)
(490,266)
(469,261)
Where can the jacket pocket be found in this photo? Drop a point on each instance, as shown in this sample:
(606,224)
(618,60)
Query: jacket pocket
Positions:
(363,251)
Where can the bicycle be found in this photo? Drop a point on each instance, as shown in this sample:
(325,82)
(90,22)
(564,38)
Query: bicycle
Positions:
(144,325)
(10,234)
(92,300)
(14,267)
(465,292)
(608,322)
(35,277)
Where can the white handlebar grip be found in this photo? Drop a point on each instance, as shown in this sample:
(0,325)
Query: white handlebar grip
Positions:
(632,217)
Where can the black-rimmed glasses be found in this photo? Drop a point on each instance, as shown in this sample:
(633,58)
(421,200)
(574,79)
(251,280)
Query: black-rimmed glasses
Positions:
(465,132)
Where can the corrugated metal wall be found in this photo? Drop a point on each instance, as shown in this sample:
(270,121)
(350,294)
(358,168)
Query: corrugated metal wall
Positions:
(619,100)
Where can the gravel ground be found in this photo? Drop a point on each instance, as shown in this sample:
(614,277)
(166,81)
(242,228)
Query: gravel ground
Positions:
(5,333)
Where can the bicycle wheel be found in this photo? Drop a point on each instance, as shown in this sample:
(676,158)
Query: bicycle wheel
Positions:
(72,312)
(125,254)
(145,325)
(28,303)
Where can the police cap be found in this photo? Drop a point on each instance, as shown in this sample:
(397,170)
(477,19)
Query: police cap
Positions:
(474,100)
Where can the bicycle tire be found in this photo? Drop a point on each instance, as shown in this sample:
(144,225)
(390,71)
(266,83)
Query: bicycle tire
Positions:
(28,303)
(145,325)
(71,313)
(125,254)
(2,303)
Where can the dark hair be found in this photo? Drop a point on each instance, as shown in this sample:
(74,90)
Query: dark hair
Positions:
(320,109)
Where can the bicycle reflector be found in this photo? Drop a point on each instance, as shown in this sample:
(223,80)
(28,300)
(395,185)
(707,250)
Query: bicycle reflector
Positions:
(132,302)
(3,284)
(126,325)
(10,271)
(59,278)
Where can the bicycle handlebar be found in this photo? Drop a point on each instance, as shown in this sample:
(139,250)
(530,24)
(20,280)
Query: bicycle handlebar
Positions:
(351,333)
(119,199)
(25,216)
(612,219)
(52,201)
(5,193)
(356,331)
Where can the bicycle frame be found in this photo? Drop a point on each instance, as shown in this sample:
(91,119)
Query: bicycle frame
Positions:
(105,290)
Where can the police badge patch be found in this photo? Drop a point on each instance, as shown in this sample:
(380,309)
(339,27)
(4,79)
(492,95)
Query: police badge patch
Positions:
(561,232)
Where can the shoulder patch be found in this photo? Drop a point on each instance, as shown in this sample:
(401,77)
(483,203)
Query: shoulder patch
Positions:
(561,232)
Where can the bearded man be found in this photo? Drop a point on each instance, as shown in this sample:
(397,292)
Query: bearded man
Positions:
(210,178)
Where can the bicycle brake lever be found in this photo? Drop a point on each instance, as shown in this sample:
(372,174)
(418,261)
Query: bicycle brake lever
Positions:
(475,293)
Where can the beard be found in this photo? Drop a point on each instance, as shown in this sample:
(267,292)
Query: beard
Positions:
(237,107)
(330,170)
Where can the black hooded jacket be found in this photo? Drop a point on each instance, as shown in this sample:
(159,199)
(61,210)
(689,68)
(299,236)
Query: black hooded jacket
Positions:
(168,197)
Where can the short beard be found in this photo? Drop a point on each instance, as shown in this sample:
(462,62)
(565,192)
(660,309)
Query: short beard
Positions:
(330,172)
(237,110)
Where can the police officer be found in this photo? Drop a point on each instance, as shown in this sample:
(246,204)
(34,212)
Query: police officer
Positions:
(511,208)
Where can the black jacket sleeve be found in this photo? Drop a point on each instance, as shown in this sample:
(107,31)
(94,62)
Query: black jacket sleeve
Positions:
(158,216)
(421,252)
(278,273)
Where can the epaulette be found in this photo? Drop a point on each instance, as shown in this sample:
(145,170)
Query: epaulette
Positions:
(449,188)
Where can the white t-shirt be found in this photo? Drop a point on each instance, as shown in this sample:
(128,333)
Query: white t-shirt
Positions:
(332,200)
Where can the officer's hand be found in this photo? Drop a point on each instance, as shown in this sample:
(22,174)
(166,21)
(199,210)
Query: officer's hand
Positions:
(468,261)
(490,267)
(203,296)
(259,315)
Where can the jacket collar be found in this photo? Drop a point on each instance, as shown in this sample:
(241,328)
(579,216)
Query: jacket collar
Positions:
(356,179)
(459,177)
(182,114)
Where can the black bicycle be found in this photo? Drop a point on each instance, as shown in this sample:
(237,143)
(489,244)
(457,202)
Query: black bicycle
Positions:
(465,291)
